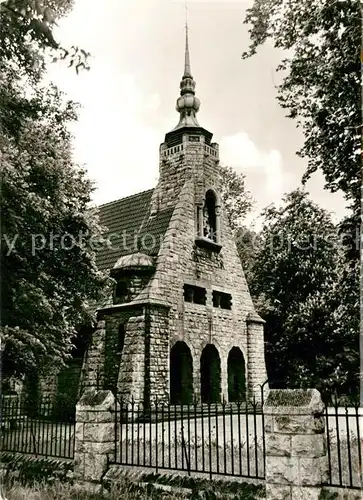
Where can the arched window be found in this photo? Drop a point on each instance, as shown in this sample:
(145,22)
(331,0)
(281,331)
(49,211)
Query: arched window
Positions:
(208,222)
(121,291)
(210,375)
(209,217)
(181,374)
(236,375)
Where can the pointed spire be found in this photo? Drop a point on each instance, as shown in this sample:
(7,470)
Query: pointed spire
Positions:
(187,104)
(187,72)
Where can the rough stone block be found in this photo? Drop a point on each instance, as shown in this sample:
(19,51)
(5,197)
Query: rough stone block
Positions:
(305,493)
(94,416)
(311,471)
(79,431)
(293,424)
(101,432)
(95,466)
(79,465)
(282,470)
(97,448)
(268,423)
(278,445)
(277,492)
(309,445)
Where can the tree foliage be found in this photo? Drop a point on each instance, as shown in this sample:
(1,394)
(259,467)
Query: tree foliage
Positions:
(237,200)
(321,84)
(27,35)
(48,266)
(320,89)
(49,277)
(298,276)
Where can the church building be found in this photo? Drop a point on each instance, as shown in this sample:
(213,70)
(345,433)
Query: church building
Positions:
(181,325)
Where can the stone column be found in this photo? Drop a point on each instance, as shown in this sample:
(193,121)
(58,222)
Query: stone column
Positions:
(158,330)
(296,462)
(92,369)
(94,435)
(256,366)
(131,379)
(218,224)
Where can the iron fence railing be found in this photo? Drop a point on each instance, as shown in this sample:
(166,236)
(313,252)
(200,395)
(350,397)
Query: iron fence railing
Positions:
(40,429)
(215,439)
(343,427)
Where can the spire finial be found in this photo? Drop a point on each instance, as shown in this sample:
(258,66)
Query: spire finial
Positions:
(187,104)
(187,71)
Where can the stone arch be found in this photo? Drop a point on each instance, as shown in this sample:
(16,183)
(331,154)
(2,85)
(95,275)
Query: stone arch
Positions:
(236,368)
(210,375)
(181,374)
(209,216)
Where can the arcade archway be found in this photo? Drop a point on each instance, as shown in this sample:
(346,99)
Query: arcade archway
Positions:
(181,374)
(210,375)
(236,375)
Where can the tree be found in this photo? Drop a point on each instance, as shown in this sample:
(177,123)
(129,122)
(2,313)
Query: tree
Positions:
(296,271)
(248,243)
(48,265)
(27,39)
(48,271)
(321,91)
(237,201)
(321,86)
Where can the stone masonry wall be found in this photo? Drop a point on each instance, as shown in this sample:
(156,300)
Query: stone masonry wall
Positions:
(180,261)
(184,179)
(112,359)
(256,355)
(131,379)
(158,352)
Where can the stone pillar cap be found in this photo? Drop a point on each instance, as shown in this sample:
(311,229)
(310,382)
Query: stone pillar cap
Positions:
(96,400)
(293,402)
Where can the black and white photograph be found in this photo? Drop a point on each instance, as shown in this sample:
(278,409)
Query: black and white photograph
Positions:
(181,271)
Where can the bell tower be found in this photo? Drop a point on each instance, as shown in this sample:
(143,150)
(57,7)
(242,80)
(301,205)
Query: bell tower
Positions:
(189,153)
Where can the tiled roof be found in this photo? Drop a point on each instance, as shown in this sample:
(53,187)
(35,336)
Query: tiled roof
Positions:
(152,232)
(129,228)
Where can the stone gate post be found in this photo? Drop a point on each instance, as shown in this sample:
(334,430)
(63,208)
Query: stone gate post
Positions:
(94,435)
(296,461)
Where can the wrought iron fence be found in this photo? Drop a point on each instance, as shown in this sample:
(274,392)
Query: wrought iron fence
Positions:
(215,439)
(41,429)
(344,448)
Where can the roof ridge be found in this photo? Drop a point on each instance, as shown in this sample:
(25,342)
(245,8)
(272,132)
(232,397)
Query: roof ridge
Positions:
(126,197)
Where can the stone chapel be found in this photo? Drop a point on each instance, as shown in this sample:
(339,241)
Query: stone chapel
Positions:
(181,325)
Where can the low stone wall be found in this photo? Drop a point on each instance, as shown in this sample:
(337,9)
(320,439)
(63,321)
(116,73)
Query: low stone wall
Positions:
(331,493)
(296,465)
(29,469)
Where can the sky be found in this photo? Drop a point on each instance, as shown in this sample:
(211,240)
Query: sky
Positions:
(128,96)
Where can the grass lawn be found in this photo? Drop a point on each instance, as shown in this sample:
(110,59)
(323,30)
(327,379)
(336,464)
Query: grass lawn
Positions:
(127,491)
(61,491)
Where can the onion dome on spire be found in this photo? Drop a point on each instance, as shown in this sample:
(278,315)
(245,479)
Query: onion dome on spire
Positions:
(187,104)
